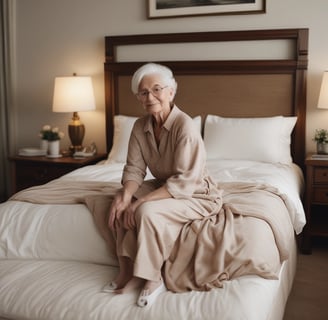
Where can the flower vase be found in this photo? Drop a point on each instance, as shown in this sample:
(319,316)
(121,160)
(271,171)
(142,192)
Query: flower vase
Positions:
(322,148)
(44,145)
(53,148)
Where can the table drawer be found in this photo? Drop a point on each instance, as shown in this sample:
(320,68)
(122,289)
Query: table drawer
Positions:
(320,195)
(320,175)
(32,174)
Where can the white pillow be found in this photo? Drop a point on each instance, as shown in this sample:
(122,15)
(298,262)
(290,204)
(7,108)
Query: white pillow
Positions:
(287,129)
(122,130)
(258,139)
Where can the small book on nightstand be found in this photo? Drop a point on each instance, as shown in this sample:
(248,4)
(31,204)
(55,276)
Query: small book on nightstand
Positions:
(320,156)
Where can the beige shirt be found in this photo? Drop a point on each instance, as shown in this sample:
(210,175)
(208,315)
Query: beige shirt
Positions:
(178,162)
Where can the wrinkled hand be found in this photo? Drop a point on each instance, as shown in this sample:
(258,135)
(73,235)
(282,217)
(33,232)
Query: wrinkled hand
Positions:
(119,205)
(129,221)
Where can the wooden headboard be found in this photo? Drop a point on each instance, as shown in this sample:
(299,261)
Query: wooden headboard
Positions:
(231,81)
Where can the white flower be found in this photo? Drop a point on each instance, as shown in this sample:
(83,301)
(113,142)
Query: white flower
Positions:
(50,134)
(46,127)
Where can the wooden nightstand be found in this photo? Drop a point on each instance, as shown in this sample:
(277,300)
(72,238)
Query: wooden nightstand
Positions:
(316,201)
(32,171)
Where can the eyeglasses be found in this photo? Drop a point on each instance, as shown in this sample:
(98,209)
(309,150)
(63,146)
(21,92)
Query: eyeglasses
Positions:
(155,91)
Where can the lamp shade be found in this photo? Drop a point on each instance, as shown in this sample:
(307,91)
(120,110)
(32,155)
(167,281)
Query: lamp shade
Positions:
(73,94)
(323,96)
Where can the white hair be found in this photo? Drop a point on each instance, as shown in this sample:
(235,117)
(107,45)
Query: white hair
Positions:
(153,68)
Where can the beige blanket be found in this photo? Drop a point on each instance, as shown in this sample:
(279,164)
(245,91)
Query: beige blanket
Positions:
(250,235)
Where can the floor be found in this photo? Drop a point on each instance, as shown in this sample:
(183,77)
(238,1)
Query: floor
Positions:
(309,295)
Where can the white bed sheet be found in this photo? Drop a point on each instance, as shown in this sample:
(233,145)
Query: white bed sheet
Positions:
(53,262)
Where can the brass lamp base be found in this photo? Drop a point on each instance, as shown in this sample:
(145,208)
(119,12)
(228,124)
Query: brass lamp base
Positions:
(76,131)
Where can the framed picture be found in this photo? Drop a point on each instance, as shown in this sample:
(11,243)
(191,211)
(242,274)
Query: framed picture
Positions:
(178,8)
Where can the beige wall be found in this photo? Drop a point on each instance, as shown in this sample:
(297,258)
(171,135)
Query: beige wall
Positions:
(59,37)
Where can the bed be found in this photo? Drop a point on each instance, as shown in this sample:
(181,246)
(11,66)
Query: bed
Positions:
(250,107)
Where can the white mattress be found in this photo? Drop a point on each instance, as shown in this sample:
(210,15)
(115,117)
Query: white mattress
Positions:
(53,263)
(50,289)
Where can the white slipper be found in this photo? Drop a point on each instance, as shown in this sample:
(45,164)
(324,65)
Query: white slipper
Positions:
(147,300)
(110,287)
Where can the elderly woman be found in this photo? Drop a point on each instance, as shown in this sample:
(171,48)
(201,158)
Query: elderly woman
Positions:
(146,217)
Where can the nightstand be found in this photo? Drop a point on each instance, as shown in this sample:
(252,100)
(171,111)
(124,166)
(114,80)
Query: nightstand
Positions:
(316,201)
(32,171)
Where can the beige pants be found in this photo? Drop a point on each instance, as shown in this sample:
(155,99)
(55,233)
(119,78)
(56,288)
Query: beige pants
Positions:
(158,226)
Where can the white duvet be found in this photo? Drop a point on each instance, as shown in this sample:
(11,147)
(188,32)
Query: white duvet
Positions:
(53,262)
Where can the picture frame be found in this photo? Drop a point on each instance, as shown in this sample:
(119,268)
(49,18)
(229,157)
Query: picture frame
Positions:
(178,8)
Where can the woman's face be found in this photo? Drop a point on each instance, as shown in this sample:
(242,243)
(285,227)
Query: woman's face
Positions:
(154,94)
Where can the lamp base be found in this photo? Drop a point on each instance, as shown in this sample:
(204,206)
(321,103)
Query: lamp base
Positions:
(76,134)
(73,149)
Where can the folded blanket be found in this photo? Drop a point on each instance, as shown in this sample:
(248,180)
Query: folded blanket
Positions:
(249,235)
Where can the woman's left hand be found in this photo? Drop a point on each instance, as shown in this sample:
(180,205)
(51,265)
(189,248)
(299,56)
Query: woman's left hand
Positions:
(129,221)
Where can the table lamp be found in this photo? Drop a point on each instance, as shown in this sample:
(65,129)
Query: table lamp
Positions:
(323,96)
(73,94)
